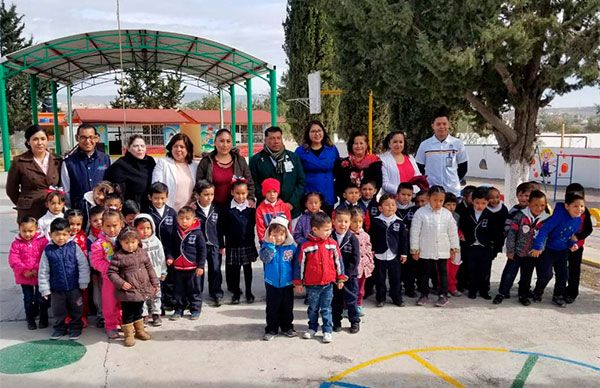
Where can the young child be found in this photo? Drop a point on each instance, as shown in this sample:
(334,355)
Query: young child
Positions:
(75,218)
(350,250)
(404,197)
(146,232)
(95,228)
(500,212)
(320,266)
(523,227)
(114,201)
(368,198)
(271,207)
(467,200)
(555,239)
(24,259)
(95,197)
(433,240)
(312,204)
(366,264)
(586,228)
(188,257)
(238,222)
(477,227)
(55,203)
(277,254)
(64,273)
(352,201)
(101,254)
(405,212)
(208,215)
(135,281)
(453,265)
(389,237)
(130,210)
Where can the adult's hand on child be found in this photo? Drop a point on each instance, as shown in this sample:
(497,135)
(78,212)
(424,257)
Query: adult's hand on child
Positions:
(199,271)
(169,261)
(298,289)
(340,285)
(403,259)
(126,286)
(535,253)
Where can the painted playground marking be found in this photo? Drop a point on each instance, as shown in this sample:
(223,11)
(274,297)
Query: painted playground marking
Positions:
(38,356)
(519,382)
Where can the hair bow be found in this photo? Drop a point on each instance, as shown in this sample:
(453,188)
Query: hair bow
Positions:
(238,179)
(52,189)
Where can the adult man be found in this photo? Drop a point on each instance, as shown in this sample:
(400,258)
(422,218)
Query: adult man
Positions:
(442,157)
(84,166)
(274,161)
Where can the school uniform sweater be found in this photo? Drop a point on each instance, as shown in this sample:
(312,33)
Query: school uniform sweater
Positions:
(188,248)
(350,249)
(369,207)
(478,232)
(389,237)
(165,222)
(237,226)
(209,224)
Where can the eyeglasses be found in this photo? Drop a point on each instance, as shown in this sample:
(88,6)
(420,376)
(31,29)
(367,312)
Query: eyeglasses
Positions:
(87,138)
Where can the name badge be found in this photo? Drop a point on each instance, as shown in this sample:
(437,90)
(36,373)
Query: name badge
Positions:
(288,165)
(449,160)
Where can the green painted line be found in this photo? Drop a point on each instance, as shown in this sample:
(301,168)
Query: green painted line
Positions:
(37,356)
(525,371)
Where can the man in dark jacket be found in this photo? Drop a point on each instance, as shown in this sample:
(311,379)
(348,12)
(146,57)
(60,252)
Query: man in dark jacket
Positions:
(274,161)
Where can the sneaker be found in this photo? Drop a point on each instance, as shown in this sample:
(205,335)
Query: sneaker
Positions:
(31,325)
(112,334)
(442,301)
(250,298)
(559,301)
(269,336)
(235,299)
(195,316)
(399,303)
(456,293)
(156,320)
(525,301)
(291,333)
(486,296)
(361,312)
(380,304)
(410,294)
(327,338)
(308,334)
(537,298)
(422,301)
(57,334)
(354,328)
(176,316)
(100,323)
(337,328)
(74,335)
(472,295)
(569,300)
(498,299)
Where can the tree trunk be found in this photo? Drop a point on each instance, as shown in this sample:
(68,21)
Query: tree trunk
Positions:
(515,173)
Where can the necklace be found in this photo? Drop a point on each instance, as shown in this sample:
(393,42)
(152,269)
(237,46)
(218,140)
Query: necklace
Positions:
(224,164)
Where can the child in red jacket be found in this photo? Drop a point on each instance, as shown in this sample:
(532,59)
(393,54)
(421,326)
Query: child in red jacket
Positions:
(271,207)
(320,267)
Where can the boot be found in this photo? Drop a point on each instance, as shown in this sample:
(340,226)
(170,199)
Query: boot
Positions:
(128,333)
(140,332)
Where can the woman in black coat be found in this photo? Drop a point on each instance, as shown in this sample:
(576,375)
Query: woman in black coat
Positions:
(133,171)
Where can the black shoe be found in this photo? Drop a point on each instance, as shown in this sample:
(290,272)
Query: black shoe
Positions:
(485,296)
(498,299)
(472,295)
(380,304)
(525,301)
(100,323)
(250,298)
(235,299)
(43,323)
(291,333)
(217,302)
(399,303)
(559,301)
(337,329)
(410,294)
(569,300)
(537,298)
(31,325)
(354,328)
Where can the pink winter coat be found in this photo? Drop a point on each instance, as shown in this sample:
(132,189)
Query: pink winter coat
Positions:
(101,254)
(25,256)
(366,265)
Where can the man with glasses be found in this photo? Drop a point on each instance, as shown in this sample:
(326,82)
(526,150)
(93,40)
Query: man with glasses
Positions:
(84,166)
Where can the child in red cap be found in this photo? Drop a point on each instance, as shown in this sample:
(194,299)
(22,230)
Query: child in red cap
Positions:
(271,207)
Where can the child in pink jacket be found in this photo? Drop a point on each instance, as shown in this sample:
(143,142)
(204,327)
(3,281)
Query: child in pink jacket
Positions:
(366,264)
(24,259)
(101,254)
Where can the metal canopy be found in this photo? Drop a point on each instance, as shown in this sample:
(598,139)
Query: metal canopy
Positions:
(74,58)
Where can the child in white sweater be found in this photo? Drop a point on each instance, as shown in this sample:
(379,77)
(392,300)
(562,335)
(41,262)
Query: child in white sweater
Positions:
(433,240)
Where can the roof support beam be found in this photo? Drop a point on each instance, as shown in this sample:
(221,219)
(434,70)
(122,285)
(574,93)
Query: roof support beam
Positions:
(109,63)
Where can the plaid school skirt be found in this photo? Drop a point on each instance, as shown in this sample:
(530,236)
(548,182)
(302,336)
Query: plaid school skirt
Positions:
(240,255)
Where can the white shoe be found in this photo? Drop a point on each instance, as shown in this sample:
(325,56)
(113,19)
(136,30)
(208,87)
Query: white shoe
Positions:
(309,334)
(327,338)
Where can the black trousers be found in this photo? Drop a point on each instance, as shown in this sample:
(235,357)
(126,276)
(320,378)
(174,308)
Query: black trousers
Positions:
(187,290)
(280,308)
(232,276)
(410,270)
(574,273)
(435,270)
(509,274)
(348,295)
(132,311)
(479,268)
(383,270)
(527,267)
(34,304)
(68,303)
(167,289)
(215,276)
(549,260)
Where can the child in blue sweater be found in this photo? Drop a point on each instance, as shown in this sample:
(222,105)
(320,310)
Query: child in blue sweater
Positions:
(556,238)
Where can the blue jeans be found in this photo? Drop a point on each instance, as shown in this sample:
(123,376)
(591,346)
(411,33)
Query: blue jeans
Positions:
(319,298)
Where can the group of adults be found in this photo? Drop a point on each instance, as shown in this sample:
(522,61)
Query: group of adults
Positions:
(315,166)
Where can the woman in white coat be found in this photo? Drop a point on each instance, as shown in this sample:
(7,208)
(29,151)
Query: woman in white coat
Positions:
(397,165)
(177,170)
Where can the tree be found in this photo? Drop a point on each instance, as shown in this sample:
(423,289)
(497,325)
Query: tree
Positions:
(209,102)
(17,87)
(308,48)
(148,88)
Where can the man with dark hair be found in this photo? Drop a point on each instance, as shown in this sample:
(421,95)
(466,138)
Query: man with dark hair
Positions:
(442,157)
(84,166)
(274,161)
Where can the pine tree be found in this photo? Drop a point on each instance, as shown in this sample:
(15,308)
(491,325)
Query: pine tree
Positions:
(148,88)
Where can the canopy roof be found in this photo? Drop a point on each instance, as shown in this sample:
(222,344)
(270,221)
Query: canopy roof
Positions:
(74,58)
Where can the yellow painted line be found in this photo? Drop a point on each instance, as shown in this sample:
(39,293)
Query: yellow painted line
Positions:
(411,353)
(450,380)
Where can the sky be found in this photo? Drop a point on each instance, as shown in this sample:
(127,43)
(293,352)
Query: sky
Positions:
(251,26)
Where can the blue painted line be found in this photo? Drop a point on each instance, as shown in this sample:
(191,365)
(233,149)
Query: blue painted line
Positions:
(578,363)
(340,384)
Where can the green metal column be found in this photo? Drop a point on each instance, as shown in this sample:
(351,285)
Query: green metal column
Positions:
(57,147)
(233,123)
(33,84)
(222,122)
(250,128)
(4,119)
(71,142)
(273,84)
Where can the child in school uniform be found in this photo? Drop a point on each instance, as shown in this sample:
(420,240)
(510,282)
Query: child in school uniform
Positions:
(366,265)
(95,197)
(313,201)
(404,201)
(500,212)
(271,207)
(351,201)
(453,265)
(130,210)
(55,203)
(368,198)
(406,211)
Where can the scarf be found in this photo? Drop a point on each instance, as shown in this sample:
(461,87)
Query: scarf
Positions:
(278,158)
(363,163)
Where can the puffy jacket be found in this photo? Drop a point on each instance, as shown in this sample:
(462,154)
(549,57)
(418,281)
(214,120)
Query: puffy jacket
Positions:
(136,269)
(320,263)
(278,262)
(189,248)
(266,212)
(585,229)
(366,265)
(101,254)
(318,170)
(557,230)
(154,247)
(25,256)
(522,230)
(433,233)
(63,268)
(80,173)
(350,250)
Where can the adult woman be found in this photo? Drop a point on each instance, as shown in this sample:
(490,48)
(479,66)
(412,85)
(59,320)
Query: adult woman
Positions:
(133,171)
(222,165)
(398,166)
(177,170)
(360,165)
(318,155)
(31,173)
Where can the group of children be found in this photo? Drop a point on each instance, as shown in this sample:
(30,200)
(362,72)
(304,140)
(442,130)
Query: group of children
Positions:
(139,264)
